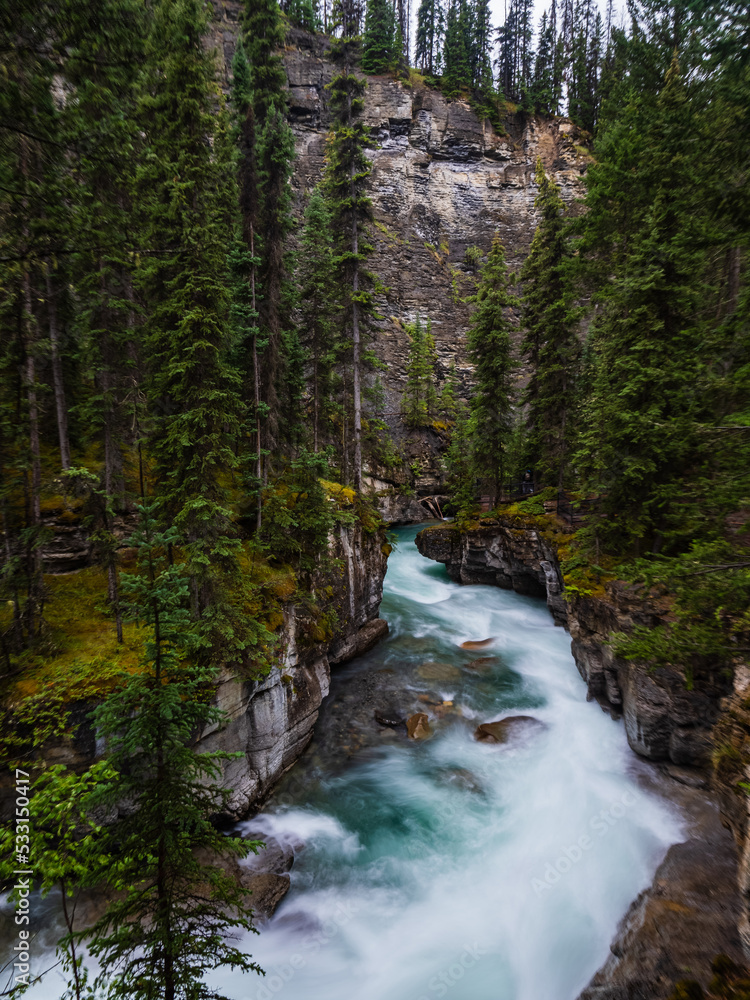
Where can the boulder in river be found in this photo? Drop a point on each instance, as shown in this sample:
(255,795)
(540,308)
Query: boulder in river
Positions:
(478,643)
(434,671)
(418,726)
(267,891)
(505,730)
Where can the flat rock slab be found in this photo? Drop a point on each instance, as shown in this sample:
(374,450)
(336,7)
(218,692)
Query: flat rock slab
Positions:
(677,927)
(508,729)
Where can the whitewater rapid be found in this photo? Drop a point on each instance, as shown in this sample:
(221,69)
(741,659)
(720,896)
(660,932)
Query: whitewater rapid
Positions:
(448,867)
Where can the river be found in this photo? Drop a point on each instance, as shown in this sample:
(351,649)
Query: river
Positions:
(447,867)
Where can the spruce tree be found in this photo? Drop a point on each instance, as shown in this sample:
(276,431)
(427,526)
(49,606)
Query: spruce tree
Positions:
(317,304)
(378,43)
(489,349)
(641,435)
(171,907)
(550,341)
(193,392)
(274,153)
(419,402)
(457,73)
(347,170)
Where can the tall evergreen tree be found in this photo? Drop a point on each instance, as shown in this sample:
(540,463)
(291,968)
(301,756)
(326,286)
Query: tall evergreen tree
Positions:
(274,153)
(641,418)
(170,912)
(193,392)
(346,176)
(550,341)
(378,43)
(457,74)
(419,401)
(317,303)
(489,349)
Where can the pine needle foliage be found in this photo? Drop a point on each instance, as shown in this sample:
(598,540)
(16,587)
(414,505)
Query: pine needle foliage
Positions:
(489,349)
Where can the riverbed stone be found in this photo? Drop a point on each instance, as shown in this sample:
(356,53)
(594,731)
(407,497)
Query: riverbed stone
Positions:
(388,717)
(483,664)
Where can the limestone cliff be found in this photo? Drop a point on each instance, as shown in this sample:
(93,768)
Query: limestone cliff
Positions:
(442,180)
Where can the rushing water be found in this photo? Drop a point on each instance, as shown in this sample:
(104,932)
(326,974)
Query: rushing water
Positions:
(448,867)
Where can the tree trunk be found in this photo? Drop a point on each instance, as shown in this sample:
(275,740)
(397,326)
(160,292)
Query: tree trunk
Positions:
(61,408)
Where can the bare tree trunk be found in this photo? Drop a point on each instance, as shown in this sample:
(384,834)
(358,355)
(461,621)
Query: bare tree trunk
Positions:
(61,408)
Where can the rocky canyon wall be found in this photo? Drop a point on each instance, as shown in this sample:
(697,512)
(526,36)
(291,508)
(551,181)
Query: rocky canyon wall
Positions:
(271,721)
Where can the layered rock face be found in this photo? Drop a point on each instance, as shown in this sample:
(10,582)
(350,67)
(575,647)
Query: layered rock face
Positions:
(442,180)
(502,555)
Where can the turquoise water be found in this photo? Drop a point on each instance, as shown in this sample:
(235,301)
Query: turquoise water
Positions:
(448,867)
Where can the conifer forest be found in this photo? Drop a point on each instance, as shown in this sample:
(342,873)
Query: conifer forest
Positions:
(294,294)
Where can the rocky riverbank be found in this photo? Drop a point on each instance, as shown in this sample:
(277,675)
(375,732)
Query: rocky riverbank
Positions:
(697,905)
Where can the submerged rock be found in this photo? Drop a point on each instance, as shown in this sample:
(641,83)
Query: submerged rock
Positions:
(460,777)
(432,671)
(483,663)
(418,726)
(505,730)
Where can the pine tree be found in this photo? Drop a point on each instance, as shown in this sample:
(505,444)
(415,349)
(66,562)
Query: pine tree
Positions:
(171,909)
(274,154)
(317,304)
(489,349)
(347,170)
(641,417)
(193,393)
(419,401)
(378,43)
(550,341)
